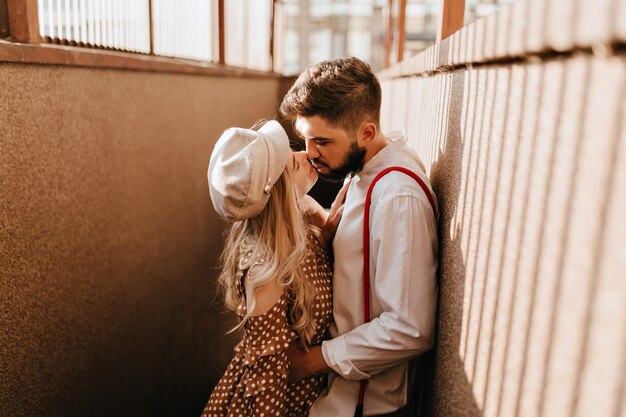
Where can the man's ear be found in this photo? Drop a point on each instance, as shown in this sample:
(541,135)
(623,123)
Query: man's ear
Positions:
(367,133)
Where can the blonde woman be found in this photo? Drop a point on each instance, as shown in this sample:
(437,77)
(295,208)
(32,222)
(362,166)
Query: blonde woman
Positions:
(276,270)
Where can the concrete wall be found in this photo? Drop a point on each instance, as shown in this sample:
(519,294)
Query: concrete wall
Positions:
(523,127)
(108,242)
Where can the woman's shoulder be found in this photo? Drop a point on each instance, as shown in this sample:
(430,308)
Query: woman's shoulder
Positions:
(266,296)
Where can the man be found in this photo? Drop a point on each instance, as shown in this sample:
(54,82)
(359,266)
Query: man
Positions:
(335,107)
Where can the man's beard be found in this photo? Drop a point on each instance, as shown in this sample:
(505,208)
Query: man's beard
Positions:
(351,165)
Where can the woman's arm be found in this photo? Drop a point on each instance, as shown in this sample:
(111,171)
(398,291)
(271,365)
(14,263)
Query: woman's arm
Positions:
(317,216)
(265,295)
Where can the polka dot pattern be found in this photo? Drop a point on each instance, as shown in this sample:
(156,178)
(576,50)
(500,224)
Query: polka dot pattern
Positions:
(255,382)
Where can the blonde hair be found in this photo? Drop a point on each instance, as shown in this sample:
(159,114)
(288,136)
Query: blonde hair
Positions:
(279,236)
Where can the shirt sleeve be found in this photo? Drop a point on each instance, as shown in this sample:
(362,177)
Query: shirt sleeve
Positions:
(403,242)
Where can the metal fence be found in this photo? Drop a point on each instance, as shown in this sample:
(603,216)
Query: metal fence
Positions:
(116,24)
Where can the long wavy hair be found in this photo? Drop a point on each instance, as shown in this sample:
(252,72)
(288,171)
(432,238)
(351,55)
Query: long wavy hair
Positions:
(279,235)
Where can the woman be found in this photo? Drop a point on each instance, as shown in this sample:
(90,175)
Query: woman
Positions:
(276,271)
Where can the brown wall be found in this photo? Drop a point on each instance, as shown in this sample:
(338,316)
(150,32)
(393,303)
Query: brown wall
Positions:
(527,155)
(108,242)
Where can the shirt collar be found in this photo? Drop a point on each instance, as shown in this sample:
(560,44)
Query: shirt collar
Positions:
(374,165)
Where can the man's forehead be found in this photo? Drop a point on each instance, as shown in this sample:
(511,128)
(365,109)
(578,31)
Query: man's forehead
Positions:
(303,126)
(313,126)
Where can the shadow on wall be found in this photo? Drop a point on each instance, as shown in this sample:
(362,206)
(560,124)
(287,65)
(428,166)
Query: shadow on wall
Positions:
(445,368)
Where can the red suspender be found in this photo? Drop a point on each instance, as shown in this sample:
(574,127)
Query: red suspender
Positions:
(366,255)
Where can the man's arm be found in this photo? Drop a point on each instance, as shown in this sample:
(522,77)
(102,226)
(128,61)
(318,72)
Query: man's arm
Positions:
(404,250)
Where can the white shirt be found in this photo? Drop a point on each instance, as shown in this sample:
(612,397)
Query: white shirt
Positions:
(403,265)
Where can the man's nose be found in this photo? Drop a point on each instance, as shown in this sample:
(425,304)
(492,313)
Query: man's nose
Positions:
(311,149)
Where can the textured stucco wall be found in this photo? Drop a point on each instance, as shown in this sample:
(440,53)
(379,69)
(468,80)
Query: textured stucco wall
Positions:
(108,242)
(528,158)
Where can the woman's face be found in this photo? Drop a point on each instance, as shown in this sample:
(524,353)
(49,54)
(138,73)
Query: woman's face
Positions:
(304,174)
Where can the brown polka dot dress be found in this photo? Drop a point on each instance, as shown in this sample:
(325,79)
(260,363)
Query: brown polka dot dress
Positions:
(255,382)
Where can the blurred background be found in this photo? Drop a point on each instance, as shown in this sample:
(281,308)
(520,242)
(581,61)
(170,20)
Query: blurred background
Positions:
(299,32)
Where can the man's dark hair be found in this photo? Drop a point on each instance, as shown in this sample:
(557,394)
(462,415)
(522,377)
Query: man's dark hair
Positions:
(344,92)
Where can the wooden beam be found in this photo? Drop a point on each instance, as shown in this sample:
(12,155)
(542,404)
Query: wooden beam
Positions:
(24,20)
(221,40)
(452,16)
(44,53)
(401,29)
(389,34)
(4,19)
(304,23)
(151,25)
(272,28)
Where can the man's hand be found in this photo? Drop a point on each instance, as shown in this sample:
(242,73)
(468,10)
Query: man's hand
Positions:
(303,363)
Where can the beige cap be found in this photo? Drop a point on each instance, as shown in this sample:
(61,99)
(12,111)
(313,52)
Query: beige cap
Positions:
(244,166)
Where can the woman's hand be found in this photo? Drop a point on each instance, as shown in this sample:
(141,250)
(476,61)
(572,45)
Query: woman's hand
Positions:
(313,212)
(334,215)
(304,363)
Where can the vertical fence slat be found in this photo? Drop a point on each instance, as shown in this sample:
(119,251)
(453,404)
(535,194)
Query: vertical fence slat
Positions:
(119,12)
(105,23)
(50,11)
(96,22)
(104,41)
(126,38)
(136,26)
(108,40)
(83,22)
(244,31)
(110,15)
(115,31)
(75,25)
(127,27)
(90,22)
(156,13)
(167,33)
(67,30)
(58,13)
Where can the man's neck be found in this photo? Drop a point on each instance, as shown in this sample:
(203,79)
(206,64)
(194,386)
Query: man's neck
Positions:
(376,146)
